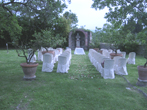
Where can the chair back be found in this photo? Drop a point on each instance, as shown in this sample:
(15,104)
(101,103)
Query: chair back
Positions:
(47,57)
(123,54)
(116,59)
(118,51)
(122,62)
(132,55)
(109,64)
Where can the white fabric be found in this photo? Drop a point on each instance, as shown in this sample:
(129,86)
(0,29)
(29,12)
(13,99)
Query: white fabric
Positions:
(131,58)
(40,56)
(64,61)
(50,48)
(121,69)
(56,55)
(63,68)
(106,53)
(110,50)
(61,50)
(48,63)
(118,51)
(43,49)
(79,51)
(100,66)
(33,59)
(116,58)
(96,59)
(123,54)
(108,71)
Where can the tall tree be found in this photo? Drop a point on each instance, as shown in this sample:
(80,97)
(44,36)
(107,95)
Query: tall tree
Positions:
(29,16)
(71,16)
(121,11)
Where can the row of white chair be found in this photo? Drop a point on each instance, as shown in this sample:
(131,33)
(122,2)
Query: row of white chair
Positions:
(130,60)
(96,59)
(64,61)
(106,52)
(117,65)
(49,59)
(48,62)
(57,52)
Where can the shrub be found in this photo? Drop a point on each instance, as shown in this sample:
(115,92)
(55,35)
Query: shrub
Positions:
(130,47)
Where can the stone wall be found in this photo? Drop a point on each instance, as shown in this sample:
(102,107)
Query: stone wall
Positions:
(84,39)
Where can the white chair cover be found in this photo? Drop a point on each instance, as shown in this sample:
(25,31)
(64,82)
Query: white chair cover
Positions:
(33,59)
(43,49)
(105,52)
(131,58)
(118,51)
(63,64)
(123,54)
(69,50)
(79,51)
(56,55)
(64,61)
(116,62)
(40,56)
(121,69)
(48,63)
(61,50)
(108,71)
(110,50)
(100,61)
(50,48)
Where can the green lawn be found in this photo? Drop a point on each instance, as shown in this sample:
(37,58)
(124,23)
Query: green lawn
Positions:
(82,88)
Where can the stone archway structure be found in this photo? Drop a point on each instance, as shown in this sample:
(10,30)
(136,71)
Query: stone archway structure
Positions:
(85,39)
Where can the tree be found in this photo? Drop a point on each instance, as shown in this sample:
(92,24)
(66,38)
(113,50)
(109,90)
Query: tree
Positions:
(71,16)
(114,37)
(121,11)
(96,38)
(39,22)
(43,11)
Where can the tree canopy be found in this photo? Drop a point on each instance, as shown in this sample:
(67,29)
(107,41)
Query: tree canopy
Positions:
(121,11)
(21,19)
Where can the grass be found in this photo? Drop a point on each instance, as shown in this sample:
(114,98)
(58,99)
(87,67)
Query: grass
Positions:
(82,88)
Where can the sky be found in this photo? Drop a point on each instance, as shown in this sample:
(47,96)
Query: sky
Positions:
(86,15)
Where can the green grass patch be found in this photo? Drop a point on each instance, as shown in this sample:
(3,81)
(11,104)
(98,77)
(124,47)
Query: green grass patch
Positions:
(82,88)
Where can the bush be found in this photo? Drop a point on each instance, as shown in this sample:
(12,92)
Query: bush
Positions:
(130,47)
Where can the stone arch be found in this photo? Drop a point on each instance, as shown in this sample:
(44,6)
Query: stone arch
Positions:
(84,41)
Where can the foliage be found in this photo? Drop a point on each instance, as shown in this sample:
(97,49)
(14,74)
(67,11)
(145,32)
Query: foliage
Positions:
(46,39)
(116,37)
(109,34)
(62,26)
(72,17)
(9,27)
(96,38)
(131,15)
(32,24)
(142,39)
(129,47)
(121,11)
(87,30)
(29,16)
